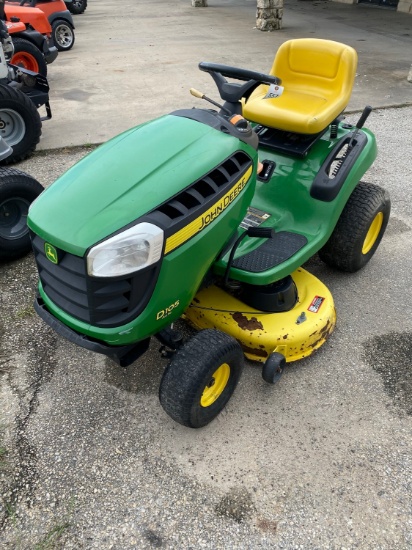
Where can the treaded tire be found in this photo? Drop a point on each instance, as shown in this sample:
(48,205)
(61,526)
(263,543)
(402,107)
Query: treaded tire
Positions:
(17,191)
(18,110)
(359,230)
(273,368)
(189,378)
(63,35)
(77,6)
(28,56)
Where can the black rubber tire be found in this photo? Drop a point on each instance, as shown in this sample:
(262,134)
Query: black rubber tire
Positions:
(344,249)
(23,46)
(273,368)
(15,105)
(77,6)
(190,373)
(63,35)
(17,191)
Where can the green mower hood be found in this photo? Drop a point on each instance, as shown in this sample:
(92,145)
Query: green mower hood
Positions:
(126,178)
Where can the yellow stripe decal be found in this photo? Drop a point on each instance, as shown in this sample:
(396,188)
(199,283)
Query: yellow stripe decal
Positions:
(209,216)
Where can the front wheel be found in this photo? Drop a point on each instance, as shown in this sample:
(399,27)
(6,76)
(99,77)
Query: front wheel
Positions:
(20,124)
(17,191)
(63,35)
(201,378)
(28,56)
(359,230)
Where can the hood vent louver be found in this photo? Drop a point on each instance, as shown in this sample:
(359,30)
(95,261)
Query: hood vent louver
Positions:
(208,188)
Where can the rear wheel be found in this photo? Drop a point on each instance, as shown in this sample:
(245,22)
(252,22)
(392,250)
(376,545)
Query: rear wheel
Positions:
(63,35)
(201,378)
(20,124)
(77,6)
(359,230)
(29,57)
(17,191)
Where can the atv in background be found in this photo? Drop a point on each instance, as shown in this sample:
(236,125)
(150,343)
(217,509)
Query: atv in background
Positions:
(76,6)
(22,92)
(32,50)
(58,16)
(59,24)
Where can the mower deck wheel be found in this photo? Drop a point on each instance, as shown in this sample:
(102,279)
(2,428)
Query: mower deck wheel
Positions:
(359,230)
(17,191)
(273,368)
(63,35)
(201,378)
(28,56)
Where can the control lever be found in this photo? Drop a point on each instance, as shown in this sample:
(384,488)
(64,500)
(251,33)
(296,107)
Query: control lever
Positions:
(201,95)
(258,232)
(366,112)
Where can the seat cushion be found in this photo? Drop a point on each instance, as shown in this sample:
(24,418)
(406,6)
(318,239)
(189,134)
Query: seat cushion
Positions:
(317,76)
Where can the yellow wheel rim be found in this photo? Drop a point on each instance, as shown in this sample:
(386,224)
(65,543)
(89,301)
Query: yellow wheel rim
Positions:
(216,385)
(372,233)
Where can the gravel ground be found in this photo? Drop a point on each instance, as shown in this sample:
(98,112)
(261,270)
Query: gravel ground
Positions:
(321,460)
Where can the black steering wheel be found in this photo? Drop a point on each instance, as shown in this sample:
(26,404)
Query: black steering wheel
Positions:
(233,92)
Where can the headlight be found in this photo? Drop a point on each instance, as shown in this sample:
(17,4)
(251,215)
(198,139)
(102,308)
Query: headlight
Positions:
(129,251)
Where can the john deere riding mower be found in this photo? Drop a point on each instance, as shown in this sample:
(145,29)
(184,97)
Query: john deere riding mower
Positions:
(210,214)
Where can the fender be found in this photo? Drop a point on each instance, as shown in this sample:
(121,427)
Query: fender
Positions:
(64,15)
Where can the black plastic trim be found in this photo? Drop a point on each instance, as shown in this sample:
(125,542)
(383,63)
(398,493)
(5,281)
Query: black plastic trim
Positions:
(286,142)
(173,215)
(32,36)
(277,297)
(103,302)
(220,123)
(64,15)
(122,355)
(325,188)
(267,170)
(50,53)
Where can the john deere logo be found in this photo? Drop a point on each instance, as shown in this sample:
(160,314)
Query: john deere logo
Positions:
(51,253)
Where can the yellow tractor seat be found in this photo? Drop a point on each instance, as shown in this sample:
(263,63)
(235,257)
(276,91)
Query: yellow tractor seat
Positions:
(317,76)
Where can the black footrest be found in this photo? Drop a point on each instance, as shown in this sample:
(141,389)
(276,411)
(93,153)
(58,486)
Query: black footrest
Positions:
(272,252)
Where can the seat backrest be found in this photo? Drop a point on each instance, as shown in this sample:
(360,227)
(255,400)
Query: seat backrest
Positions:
(323,67)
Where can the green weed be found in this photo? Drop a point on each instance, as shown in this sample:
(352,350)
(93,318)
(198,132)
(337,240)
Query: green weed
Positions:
(52,537)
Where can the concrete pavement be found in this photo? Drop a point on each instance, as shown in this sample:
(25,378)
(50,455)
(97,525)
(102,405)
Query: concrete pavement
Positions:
(135,60)
(320,461)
